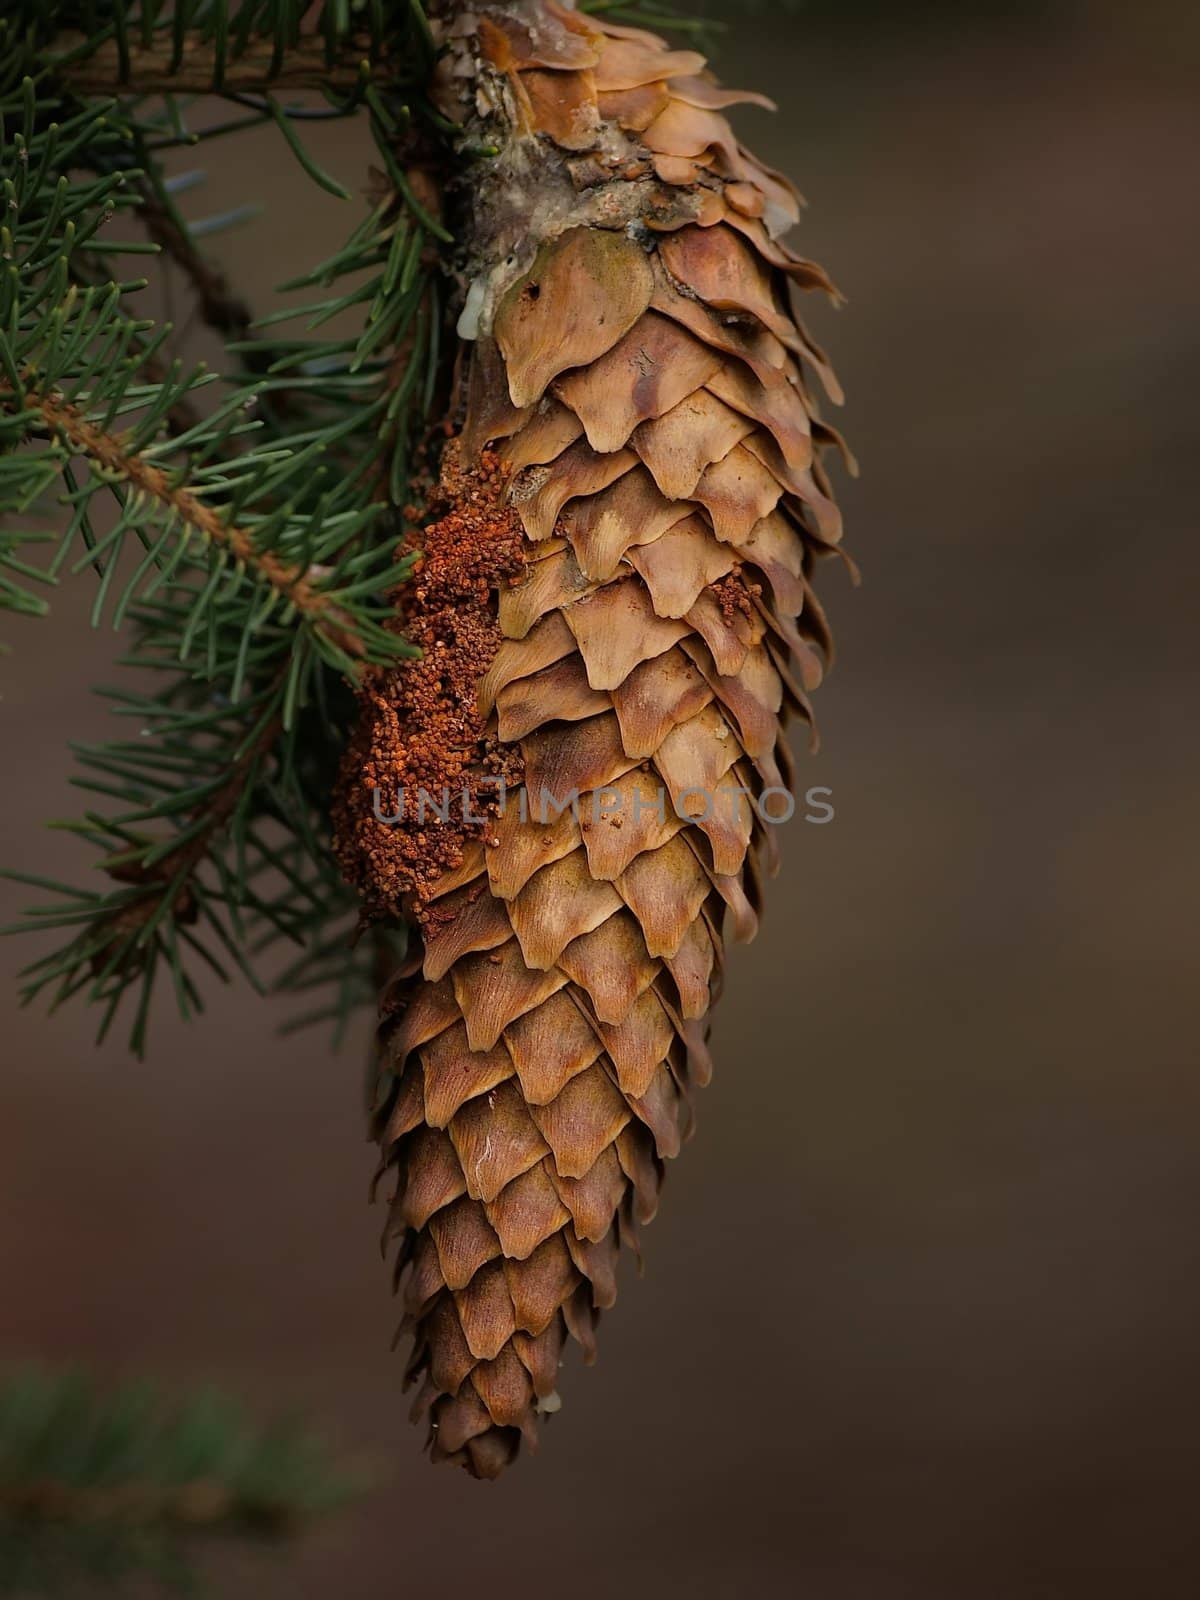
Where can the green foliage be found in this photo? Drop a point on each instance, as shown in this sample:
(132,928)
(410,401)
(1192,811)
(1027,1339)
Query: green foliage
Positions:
(242,526)
(100,1484)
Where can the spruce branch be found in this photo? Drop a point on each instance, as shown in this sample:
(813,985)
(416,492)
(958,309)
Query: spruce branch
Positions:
(108,1482)
(203,66)
(208,849)
(111,455)
(244,525)
(220,306)
(170,880)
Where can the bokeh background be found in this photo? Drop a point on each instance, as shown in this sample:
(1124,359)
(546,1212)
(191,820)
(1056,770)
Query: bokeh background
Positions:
(922,1306)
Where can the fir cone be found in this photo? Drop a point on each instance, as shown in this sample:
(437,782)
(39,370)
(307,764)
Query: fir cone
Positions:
(617,618)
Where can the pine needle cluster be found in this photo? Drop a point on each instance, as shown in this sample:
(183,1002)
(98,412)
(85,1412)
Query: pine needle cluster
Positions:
(241,526)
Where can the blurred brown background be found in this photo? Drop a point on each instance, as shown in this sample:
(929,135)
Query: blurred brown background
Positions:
(922,1306)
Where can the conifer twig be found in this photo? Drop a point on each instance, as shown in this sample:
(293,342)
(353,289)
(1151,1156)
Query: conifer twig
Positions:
(219,304)
(153,69)
(108,452)
(257,538)
(180,866)
(100,1483)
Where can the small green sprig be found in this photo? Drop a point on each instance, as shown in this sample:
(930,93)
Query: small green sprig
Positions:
(105,1483)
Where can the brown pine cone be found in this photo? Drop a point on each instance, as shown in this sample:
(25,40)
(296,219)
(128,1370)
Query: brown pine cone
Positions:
(616,610)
